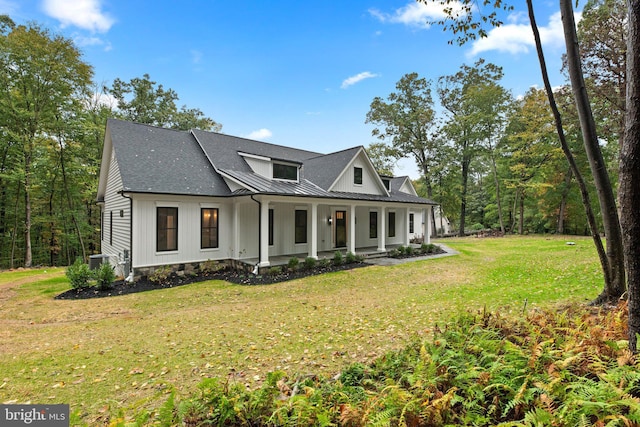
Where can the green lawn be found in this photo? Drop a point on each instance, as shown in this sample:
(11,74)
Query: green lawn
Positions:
(125,353)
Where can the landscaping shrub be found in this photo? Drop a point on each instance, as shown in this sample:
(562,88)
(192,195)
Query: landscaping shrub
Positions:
(338,259)
(160,274)
(293,263)
(274,271)
(79,274)
(408,250)
(310,263)
(324,263)
(427,248)
(350,258)
(105,276)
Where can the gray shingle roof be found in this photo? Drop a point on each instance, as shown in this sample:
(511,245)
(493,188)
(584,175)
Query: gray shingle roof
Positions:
(324,169)
(157,160)
(164,161)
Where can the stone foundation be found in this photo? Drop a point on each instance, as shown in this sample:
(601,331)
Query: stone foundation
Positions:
(181,269)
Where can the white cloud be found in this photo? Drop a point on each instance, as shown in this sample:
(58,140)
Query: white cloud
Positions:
(260,134)
(517,37)
(84,14)
(196,56)
(357,78)
(415,14)
(83,41)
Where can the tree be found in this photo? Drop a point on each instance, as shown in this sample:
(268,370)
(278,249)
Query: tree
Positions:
(469,29)
(141,101)
(630,172)
(42,77)
(602,32)
(616,285)
(383,157)
(529,144)
(471,122)
(407,120)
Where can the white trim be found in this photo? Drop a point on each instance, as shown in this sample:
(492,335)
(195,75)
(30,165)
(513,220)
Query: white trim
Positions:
(254,156)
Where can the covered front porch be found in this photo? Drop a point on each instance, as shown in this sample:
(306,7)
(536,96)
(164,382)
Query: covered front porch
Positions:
(317,228)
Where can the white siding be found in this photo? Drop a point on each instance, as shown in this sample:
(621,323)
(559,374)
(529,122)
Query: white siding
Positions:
(370,180)
(144,226)
(407,187)
(261,167)
(116,217)
(248,230)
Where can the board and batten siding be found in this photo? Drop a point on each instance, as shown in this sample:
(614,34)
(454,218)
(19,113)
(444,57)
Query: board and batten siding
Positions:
(116,217)
(370,180)
(259,166)
(189,247)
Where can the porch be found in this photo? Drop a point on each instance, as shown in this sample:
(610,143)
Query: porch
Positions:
(281,260)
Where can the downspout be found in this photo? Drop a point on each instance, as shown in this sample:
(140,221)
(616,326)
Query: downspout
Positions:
(129,278)
(255,269)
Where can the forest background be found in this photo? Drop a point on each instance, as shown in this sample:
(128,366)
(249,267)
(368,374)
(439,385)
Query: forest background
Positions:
(492,161)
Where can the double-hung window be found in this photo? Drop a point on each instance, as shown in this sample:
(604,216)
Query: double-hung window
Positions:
(208,228)
(357,175)
(392,224)
(373,225)
(301,226)
(167,229)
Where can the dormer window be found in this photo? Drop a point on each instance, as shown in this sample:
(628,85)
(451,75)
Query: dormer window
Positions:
(357,175)
(285,172)
(386,181)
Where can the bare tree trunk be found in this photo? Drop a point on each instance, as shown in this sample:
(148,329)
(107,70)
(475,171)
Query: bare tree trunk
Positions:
(463,203)
(586,200)
(521,214)
(514,216)
(630,173)
(497,184)
(563,201)
(615,254)
(28,257)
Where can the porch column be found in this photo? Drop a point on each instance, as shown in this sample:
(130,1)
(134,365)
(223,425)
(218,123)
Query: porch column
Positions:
(264,234)
(427,224)
(351,244)
(382,230)
(407,235)
(313,242)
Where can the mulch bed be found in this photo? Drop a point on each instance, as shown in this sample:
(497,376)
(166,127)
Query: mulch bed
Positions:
(228,274)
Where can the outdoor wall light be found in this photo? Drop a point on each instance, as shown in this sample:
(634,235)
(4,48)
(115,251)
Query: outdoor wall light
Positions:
(329,220)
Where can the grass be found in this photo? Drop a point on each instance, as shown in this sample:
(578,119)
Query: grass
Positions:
(126,353)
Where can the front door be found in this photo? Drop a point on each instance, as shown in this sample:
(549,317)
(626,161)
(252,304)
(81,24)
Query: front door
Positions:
(341,229)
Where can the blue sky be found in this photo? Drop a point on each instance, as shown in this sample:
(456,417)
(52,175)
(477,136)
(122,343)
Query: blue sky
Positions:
(296,73)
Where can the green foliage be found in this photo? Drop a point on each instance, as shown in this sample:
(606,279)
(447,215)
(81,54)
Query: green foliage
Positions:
(427,248)
(293,263)
(324,263)
(105,276)
(160,274)
(350,258)
(477,226)
(338,258)
(274,271)
(310,263)
(210,266)
(79,274)
(479,369)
